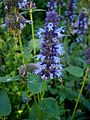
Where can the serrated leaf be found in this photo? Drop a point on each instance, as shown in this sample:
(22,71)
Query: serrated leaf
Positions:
(35,83)
(50,106)
(76,71)
(9,78)
(37,114)
(5,106)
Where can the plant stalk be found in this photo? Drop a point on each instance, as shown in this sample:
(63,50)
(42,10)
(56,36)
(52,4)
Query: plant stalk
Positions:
(83,84)
(32,28)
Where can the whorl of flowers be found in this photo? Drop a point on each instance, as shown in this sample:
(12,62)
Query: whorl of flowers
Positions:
(26,4)
(81,26)
(10,4)
(70,13)
(82,23)
(49,65)
(61,2)
(13,19)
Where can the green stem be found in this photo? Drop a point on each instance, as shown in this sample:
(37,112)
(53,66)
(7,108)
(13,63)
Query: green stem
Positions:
(38,97)
(83,84)
(21,48)
(28,107)
(35,99)
(37,108)
(4,118)
(32,28)
(59,9)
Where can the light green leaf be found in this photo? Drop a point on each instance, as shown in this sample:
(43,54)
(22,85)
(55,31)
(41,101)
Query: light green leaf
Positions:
(76,71)
(9,78)
(35,43)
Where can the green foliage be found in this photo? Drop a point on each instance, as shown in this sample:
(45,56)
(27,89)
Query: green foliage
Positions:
(50,106)
(37,44)
(30,96)
(5,106)
(9,79)
(76,71)
(35,83)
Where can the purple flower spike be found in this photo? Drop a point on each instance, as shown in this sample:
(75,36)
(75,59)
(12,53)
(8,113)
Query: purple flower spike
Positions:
(70,11)
(81,26)
(82,23)
(49,65)
(25,4)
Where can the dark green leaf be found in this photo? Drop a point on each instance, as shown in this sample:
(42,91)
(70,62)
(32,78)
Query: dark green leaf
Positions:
(36,84)
(50,106)
(5,106)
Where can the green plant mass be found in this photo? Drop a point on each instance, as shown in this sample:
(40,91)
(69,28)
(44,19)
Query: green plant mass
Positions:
(44,60)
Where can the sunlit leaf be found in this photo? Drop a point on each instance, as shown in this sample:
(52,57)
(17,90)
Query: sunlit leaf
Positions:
(76,71)
(10,78)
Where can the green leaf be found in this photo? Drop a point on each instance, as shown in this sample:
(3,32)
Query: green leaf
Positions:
(50,106)
(86,104)
(39,10)
(33,115)
(27,52)
(5,106)
(53,91)
(9,79)
(35,83)
(37,114)
(36,42)
(67,92)
(76,71)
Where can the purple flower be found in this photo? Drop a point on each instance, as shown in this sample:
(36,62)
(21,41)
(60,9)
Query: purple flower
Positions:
(82,23)
(70,13)
(10,5)
(40,32)
(13,19)
(81,26)
(25,97)
(16,21)
(61,2)
(25,4)
(49,65)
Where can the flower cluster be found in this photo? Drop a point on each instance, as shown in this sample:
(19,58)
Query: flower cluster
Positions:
(10,4)
(16,21)
(13,19)
(61,2)
(82,23)
(70,13)
(50,66)
(25,4)
(81,26)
